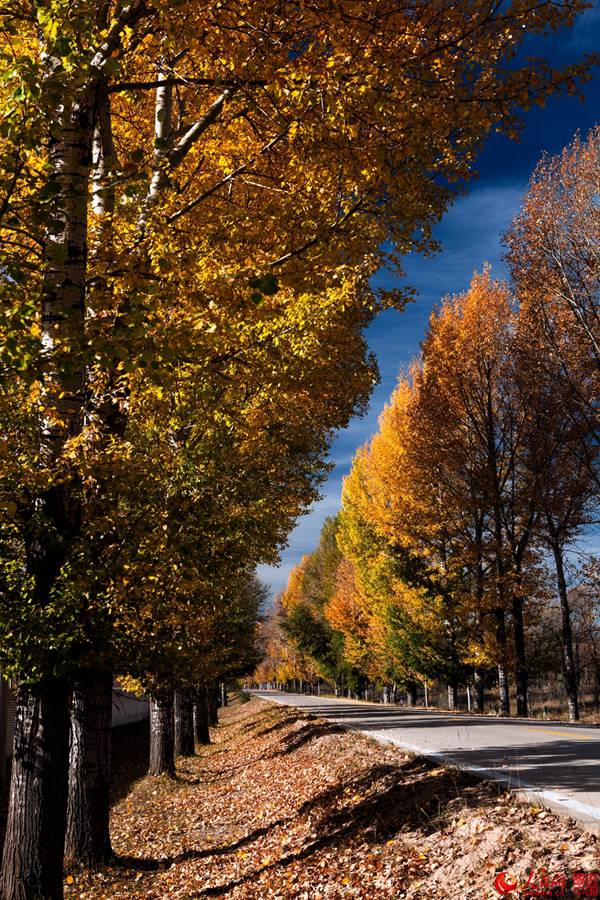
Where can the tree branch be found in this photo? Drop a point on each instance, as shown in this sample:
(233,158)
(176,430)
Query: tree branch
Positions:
(120,86)
(335,226)
(128,14)
(185,143)
(228,178)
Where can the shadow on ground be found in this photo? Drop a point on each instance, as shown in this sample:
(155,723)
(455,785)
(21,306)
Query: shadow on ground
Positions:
(393,798)
(130,754)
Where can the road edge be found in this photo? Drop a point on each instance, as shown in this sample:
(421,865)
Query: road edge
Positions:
(584,814)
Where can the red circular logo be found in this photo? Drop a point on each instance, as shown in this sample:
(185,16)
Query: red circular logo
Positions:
(502,885)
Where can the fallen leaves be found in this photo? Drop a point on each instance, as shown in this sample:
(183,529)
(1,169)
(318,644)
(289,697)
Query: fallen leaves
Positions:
(283,807)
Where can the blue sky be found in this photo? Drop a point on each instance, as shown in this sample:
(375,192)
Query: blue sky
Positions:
(470,235)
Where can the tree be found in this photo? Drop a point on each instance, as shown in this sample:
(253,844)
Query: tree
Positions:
(248,168)
(553,251)
(309,590)
(467,373)
(398,544)
(449,486)
(554,256)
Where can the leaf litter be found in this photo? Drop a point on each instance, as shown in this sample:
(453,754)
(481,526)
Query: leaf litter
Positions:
(285,805)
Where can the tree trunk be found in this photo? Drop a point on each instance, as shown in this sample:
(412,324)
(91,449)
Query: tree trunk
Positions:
(184,722)
(4,750)
(224,697)
(479,693)
(34,844)
(411,693)
(569,667)
(32,864)
(162,735)
(88,836)
(478,680)
(452,696)
(88,809)
(503,686)
(201,716)
(211,698)
(520,657)
(499,612)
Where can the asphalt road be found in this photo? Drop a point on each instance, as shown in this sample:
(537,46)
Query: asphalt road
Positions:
(552,763)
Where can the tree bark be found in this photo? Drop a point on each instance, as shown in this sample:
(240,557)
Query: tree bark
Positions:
(503,686)
(568,659)
(162,735)
(224,697)
(201,716)
(411,693)
(479,693)
(35,836)
(211,696)
(520,658)
(452,696)
(32,864)
(4,753)
(184,722)
(499,613)
(88,809)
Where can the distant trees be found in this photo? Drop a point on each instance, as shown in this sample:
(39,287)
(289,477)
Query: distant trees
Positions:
(484,471)
(304,607)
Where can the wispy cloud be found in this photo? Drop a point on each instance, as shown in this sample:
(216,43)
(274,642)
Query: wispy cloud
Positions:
(585,34)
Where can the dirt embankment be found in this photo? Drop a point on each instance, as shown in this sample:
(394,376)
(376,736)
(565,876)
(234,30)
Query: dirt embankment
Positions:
(285,805)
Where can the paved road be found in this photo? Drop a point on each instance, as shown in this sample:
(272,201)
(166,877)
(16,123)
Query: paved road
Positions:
(554,764)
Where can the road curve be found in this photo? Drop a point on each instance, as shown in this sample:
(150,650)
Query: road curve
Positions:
(554,764)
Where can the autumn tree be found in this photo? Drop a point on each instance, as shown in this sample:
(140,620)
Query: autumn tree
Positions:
(449,485)
(468,364)
(553,251)
(554,256)
(310,587)
(249,146)
(232,479)
(398,539)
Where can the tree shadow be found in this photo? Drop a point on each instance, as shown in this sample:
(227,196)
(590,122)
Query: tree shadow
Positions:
(130,754)
(315,729)
(291,742)
(393,798)
(282,723)
(268,716)
(392,805)
(150,864)
(323,800)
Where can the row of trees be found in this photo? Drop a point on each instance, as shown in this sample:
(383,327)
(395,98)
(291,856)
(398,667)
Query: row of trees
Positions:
(193,197)
(460,516)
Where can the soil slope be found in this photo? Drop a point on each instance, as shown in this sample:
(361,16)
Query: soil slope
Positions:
(285,805)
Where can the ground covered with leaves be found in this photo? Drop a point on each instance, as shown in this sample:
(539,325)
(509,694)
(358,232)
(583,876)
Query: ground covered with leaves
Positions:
(286,805)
